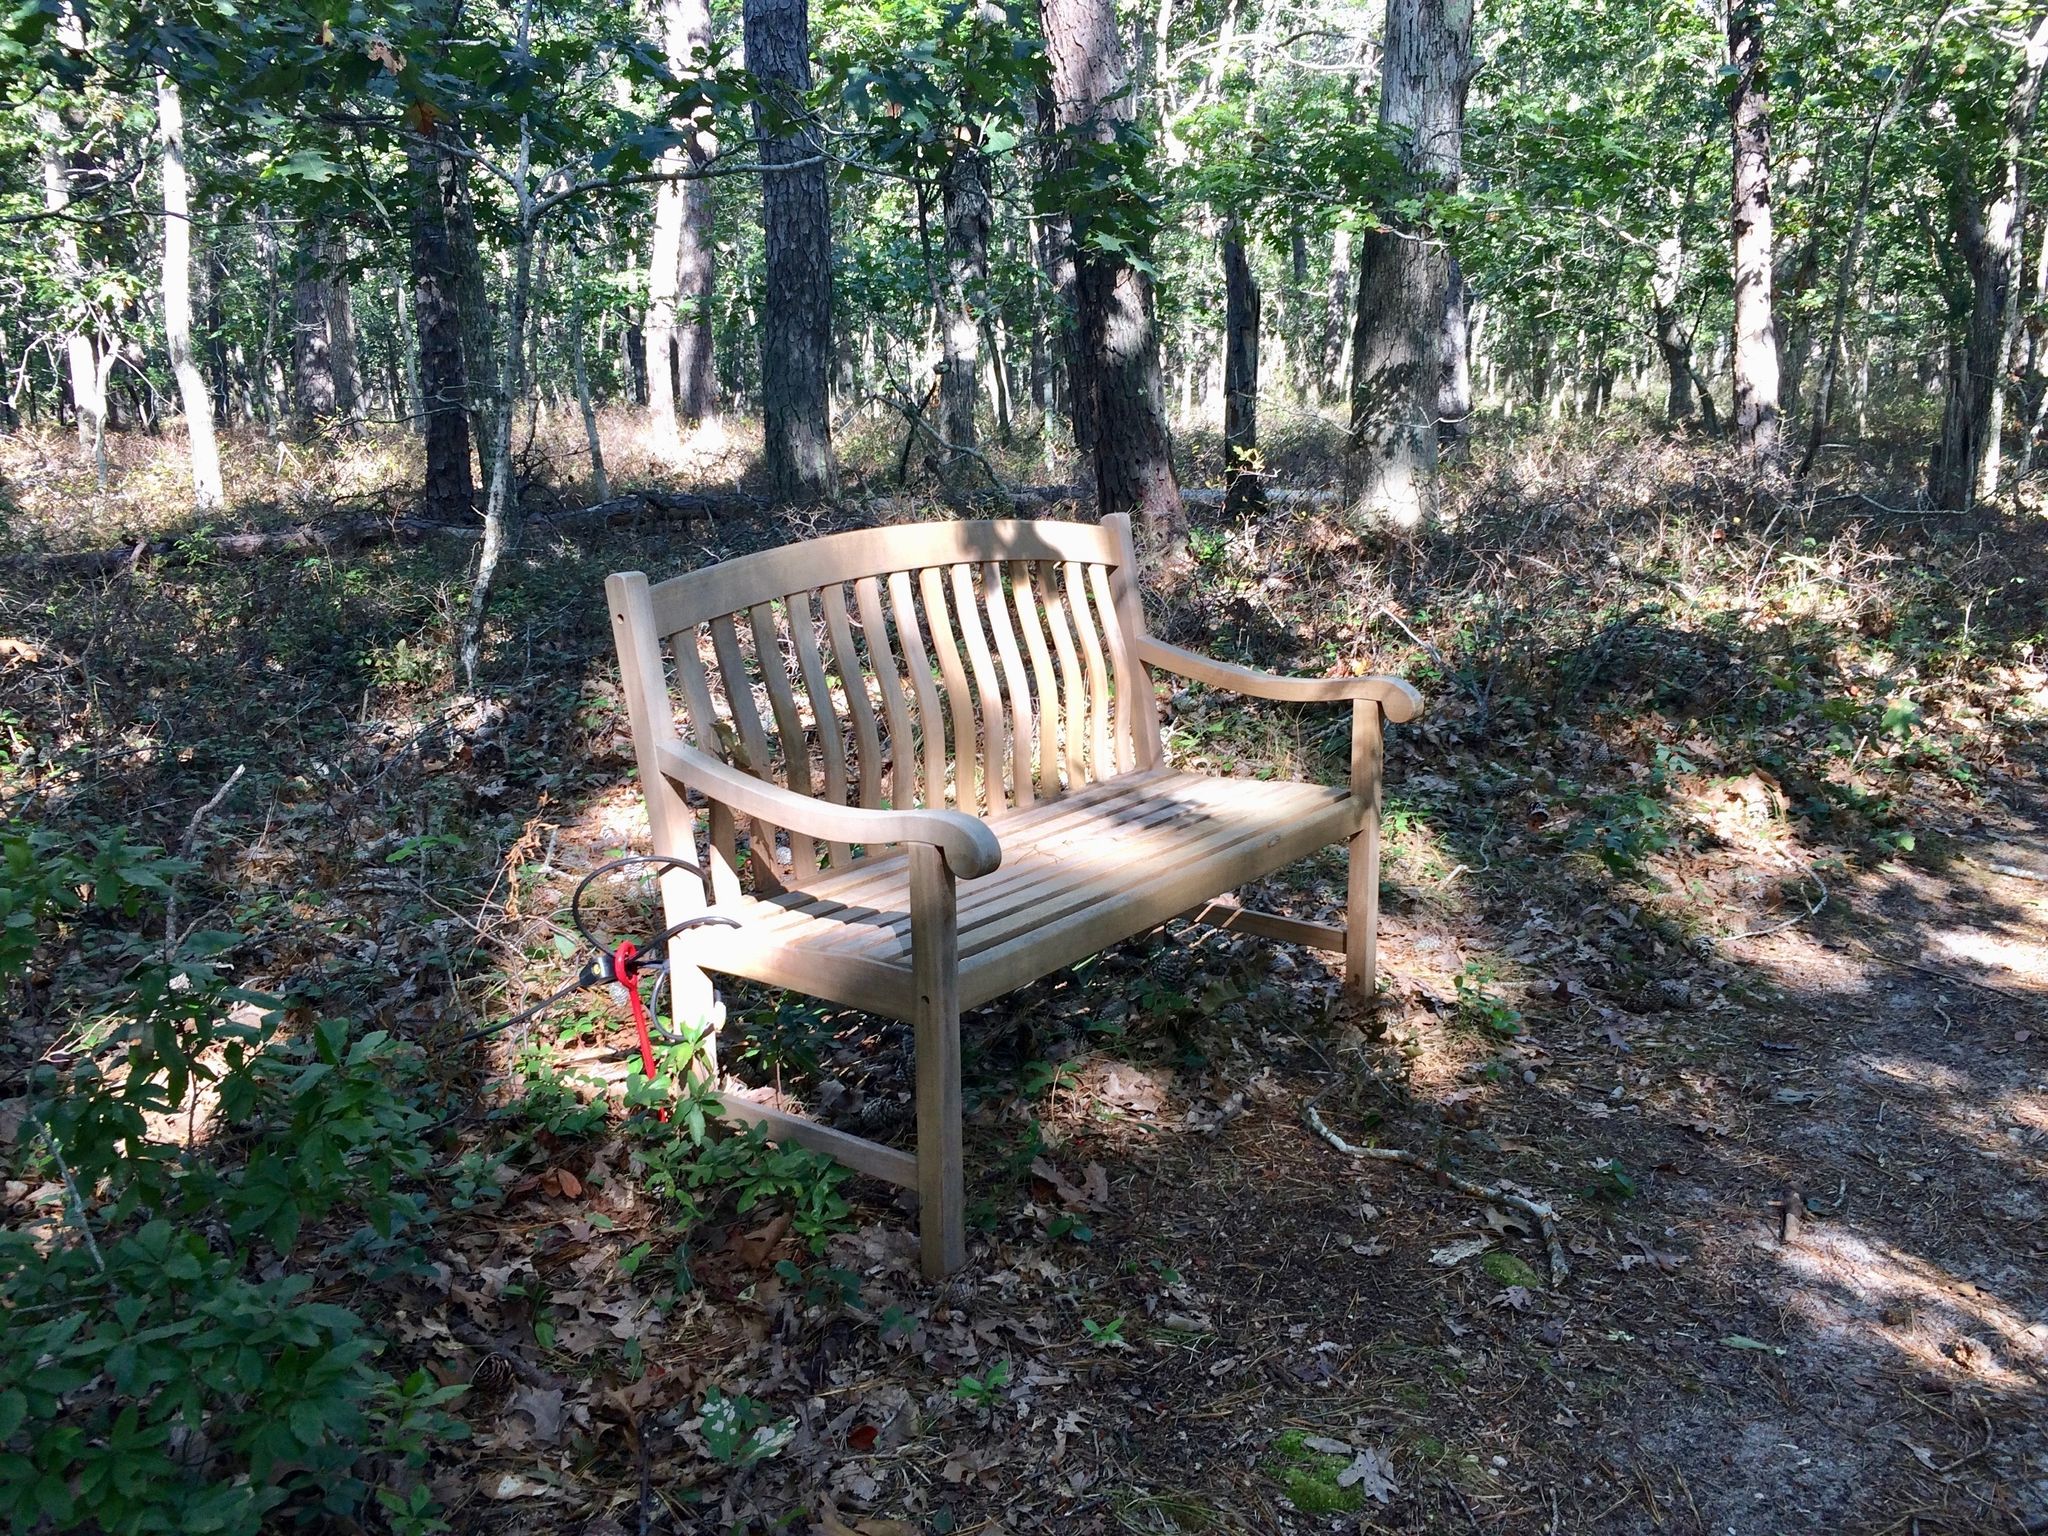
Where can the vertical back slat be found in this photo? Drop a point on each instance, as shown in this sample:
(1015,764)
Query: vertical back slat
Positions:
(804,853)
(697,694)
(750,746)
(1130,617)
(959,703)
(1022,595)
(997,607)
(1124,668)
(867,740)
(917,666)
(995,735)
(1045,579)
(831,740)
(867,596)
(1102,757)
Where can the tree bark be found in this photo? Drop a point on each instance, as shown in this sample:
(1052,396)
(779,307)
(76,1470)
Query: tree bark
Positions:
(450,490)
(697,275)
(1988,228)
(1243,474)
(964,198)
(663,254)
(88,404)
(207,494)
(1755,354)
(1454,384)
(314,392)
(600,483)
(1396,354)
(1336,338)
(796,222)
(1132,448)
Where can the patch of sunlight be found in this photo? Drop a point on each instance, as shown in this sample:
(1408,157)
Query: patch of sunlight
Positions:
(2027,962)
(1917,1072)
(1865,1293)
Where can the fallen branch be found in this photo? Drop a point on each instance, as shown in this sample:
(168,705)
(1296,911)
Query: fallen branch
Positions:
(185,852)
(1544,1217)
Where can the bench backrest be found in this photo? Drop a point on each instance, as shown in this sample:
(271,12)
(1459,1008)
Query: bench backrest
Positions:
(977,666)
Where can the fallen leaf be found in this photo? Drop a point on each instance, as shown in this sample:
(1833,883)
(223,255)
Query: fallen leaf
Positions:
(510,1485)
(543,1405)
(1372,1474)
(1460,1251)
(753,1248)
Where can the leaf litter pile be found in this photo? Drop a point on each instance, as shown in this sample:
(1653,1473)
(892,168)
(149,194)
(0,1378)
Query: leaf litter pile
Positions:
(1701,1132)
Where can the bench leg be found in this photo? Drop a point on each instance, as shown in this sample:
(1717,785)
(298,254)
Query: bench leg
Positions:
(1362,894)
(935,968)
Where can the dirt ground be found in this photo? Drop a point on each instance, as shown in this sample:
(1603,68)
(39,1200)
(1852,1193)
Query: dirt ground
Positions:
(1716,921)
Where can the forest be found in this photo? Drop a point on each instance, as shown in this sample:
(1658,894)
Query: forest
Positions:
(1655,385)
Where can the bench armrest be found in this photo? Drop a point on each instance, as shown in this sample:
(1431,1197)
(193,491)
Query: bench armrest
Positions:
(969,847)
(1395,695)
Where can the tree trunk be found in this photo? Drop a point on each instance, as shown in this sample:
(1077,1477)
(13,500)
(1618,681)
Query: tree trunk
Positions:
(449,494)
(1966,460)
(1454,385)
(1397,357)
(1336,340)
(600,484)
(1243,474)
(207,494)
(1852,251)
(696,277)
(1133,450)
(964,196)
(313,384)
(1673,341)
(663,254)
(341,335)
(796,222)
(1755,335)
(88,404)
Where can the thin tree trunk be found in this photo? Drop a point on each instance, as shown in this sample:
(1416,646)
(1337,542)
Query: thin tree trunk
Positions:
(964,198)
(1133,451)
(796,223)
(1243,475)
(1332,381)
(207,494)
(663,254)
(600,486)
(1755,334)
(696,278)
(1966,461)
(501,504)
(88,404)
(1819,419)
(1396,360)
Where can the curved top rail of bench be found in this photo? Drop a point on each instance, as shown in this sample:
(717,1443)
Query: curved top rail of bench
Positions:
(695,597)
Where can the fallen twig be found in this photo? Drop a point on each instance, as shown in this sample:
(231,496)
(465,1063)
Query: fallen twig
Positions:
(1544,1217)
(1780,927)
(185,852)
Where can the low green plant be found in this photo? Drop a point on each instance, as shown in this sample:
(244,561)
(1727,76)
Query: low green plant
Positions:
(984,1390)
(162,1367)
(1478,1007)
(739,1432)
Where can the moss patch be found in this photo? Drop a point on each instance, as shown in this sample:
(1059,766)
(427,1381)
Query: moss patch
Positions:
(1310,1477)
(1509,1270)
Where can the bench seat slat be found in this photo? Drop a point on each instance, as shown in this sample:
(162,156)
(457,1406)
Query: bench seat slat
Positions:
(1090,875)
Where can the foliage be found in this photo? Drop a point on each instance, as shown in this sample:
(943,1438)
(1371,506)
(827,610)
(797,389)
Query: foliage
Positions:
(157,1372)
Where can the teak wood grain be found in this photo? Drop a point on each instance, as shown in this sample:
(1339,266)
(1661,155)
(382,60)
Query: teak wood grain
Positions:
(955,730)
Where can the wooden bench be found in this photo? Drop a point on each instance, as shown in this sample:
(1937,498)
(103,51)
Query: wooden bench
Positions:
(943,741)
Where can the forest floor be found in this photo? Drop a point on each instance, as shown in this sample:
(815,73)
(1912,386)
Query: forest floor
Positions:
(1716,917)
